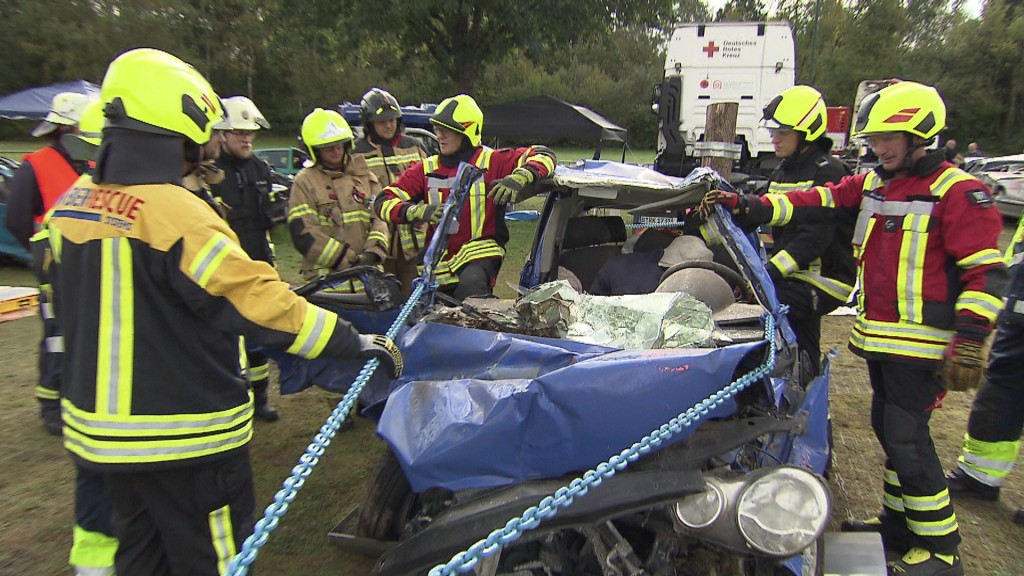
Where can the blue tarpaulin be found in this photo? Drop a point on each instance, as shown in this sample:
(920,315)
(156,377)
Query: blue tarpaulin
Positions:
(34,103)
(510,408)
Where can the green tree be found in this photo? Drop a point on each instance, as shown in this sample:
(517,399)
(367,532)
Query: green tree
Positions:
(742,11)
(461,38)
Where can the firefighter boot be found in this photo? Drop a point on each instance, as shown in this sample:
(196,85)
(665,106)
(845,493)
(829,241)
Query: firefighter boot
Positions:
(895,535)
(963,486)
(921,562)
(49,410)
(263,411)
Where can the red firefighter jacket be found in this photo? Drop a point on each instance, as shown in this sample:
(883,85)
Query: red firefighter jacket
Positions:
(482,232)
(927,256)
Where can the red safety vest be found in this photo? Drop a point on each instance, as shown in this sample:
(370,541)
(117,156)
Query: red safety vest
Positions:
(54,175)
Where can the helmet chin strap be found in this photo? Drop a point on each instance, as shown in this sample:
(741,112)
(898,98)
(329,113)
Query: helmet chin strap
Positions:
(908,160)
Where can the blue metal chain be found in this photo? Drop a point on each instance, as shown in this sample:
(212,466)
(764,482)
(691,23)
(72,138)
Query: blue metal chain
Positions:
(563,497)
(656,225)
(271,516)
(239,565)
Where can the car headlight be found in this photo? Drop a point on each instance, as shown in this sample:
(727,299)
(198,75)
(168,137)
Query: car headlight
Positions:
(784,511)
(702,509)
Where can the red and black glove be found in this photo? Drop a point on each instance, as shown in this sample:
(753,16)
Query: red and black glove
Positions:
(746,209)
(966,357)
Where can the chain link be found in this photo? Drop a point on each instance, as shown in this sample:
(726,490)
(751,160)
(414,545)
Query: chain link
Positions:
(239,565)
(533,516)
(563,497)
(656,225)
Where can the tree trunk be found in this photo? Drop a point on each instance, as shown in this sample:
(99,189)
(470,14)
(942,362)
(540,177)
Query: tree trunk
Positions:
(720,126)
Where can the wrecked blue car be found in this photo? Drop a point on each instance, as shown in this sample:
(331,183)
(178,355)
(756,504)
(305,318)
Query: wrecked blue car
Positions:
(503,402)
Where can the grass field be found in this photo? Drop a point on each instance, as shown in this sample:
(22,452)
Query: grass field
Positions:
(36,477)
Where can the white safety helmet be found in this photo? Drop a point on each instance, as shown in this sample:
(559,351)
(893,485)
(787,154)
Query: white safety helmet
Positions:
(65,110)
(241,114)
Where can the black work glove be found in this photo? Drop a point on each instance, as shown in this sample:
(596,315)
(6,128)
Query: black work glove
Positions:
(368,259)
(383,348)
(774,273)
(694,220)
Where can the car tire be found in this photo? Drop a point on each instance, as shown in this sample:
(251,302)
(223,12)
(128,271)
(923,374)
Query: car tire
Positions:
(388,504)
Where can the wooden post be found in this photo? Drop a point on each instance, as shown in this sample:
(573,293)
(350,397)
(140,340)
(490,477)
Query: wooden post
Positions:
(720,129)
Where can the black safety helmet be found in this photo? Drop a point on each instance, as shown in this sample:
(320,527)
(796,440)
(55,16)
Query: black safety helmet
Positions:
(378,105)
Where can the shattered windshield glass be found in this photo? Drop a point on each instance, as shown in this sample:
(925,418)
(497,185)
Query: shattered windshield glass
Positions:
(644,321)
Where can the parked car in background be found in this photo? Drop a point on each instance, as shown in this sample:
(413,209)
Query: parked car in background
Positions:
(286,161)
(970,163)
(1007,189)
(1004,176)
(10,249)
(426,138)
(995,164)
(7,168)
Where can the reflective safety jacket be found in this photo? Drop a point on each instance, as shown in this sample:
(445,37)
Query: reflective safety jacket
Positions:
(1015,251)
(927,255)
(992,442)
(54,175)
(388,162)
(817,253)
(482,232)
(153,291)
(330,220)
(36,185)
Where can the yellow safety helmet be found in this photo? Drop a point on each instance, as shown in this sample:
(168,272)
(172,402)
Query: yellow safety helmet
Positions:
(149,90)
(902,107)
(461,114)
(90,126)
(83,145)
(800,108)
(241,114)
(322,127)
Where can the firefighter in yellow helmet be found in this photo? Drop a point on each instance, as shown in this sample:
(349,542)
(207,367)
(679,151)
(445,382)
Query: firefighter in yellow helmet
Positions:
(389,153)
(157,404)
(811,264)
(476,250)
(931,284)
(42,177)
(329,213)
(93,543)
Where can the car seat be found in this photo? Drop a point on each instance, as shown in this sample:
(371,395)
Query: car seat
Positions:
(588,242)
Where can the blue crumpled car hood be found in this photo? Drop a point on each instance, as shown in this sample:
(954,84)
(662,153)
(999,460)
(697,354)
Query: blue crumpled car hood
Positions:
(508,408)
